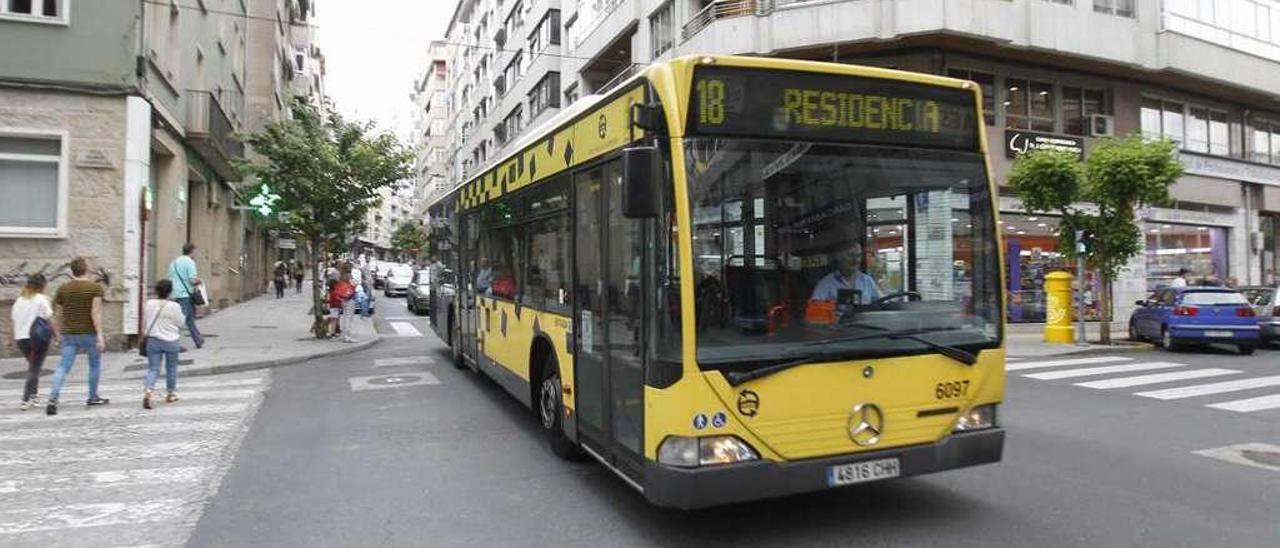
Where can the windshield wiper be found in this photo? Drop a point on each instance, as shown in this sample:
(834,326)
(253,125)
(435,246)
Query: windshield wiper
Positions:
(738,377)
(958,354)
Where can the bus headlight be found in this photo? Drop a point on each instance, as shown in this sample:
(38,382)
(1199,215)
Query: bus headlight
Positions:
(982,416)
(711,450)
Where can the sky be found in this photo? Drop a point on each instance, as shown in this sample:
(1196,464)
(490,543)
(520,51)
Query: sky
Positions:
(374,50)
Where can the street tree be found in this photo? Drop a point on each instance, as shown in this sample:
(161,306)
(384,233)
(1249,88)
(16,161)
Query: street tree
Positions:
(409,238)
(1099,196)
(326,172)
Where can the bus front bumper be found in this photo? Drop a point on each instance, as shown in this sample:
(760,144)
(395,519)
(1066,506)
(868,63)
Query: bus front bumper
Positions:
(689,488)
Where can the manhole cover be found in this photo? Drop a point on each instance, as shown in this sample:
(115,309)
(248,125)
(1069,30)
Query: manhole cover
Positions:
(1269,458)
(19,375)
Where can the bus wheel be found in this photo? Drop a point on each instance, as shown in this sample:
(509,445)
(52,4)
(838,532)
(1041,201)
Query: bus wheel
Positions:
(551,412)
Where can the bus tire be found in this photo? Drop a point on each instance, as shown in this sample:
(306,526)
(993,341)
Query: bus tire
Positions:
(551,411)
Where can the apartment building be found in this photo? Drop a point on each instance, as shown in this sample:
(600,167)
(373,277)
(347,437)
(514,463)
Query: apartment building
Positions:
(1201,72)
(430,140)
(117,143)
(396,205)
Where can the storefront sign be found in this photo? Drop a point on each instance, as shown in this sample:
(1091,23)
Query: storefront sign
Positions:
(1017,142)
(94,158)
(1224,168)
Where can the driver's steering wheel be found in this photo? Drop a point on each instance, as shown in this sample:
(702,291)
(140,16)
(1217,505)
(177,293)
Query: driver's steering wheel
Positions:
(908,294)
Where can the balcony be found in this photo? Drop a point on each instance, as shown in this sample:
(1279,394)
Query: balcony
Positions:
(212,134)
(721,9)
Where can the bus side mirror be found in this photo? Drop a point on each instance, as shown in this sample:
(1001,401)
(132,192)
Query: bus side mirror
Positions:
(640,192)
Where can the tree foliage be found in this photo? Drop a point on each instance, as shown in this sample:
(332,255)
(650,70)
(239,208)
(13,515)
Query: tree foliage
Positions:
(328,171)
(409,237)
(1099,195)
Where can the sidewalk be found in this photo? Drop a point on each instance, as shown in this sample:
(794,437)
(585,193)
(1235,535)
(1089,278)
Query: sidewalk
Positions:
(1023,344)
(258,333)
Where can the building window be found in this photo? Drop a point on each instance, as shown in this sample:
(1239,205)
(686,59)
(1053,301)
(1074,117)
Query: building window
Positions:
(514,21)
(1194,128)
(1078,104)
(1264,141)
(546,34)
(33,175)
(988,84)
(1123,8)
(510,126)
(513,71)
(545,94)
(571,94)
(1028,105)
(43,11)
(660,29)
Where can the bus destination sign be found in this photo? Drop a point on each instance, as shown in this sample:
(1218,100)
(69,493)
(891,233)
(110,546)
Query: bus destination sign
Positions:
(826,107)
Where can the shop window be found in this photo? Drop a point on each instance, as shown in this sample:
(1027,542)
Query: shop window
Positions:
(1028,105)
(987,82)
(1202,250)
(32,170)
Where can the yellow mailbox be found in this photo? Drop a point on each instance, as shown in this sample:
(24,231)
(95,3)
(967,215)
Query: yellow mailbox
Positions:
(1057,325)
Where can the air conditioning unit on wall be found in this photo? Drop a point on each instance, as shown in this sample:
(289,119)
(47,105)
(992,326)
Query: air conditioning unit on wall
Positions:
(1102,125)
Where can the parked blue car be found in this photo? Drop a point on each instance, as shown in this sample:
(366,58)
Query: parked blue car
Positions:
(1175,317)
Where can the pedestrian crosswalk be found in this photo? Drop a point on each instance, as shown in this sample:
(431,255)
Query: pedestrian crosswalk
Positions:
(119,475)
(405,329)
(1241,393)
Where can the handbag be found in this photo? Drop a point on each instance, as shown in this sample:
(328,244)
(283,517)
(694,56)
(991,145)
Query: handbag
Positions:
(142,345)
(197,297)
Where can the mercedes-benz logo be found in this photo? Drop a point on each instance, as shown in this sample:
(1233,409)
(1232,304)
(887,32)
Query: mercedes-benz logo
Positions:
(866,424)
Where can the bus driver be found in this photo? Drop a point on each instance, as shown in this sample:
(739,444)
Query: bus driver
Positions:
(847,276)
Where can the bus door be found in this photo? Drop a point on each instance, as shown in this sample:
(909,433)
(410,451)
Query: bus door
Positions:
(465,281)
(609,382)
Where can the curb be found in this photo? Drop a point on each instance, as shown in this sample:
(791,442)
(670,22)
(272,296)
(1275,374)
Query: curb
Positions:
(265,364)
(1115,349)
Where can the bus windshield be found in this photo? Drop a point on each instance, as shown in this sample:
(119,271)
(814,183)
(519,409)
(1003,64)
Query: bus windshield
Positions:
(809,250)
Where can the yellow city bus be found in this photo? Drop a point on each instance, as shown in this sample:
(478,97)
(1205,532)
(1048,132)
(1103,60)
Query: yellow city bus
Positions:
(733,278)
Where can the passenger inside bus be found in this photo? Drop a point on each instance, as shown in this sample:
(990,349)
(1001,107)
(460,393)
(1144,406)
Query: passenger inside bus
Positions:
(484,277)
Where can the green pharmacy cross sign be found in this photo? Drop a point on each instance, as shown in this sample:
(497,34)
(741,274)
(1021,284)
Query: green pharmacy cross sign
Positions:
(264,201)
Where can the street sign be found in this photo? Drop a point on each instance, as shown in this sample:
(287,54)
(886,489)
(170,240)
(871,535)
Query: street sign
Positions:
(286,243)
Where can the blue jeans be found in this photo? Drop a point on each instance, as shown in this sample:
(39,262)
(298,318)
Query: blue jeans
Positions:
(189,310)
(72,345)
(156,350)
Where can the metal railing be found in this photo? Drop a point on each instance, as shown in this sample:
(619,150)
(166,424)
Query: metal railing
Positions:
(626,72)
(722,9)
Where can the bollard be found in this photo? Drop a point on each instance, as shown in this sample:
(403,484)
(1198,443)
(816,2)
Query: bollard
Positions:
(1057,325)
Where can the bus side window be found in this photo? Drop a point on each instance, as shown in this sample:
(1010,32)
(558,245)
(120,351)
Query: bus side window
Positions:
(547,280)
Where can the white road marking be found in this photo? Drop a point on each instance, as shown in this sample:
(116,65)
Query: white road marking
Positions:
(404,318)
(1056,363)
(1236,454)
(202,427)
(81,453)
(1089,371)
(37,483)
(1260,403)
(410,360)
(183,386)
(1124,382)
(395,380)
(75,516)
(405,329)
(77,411)
(1212,388)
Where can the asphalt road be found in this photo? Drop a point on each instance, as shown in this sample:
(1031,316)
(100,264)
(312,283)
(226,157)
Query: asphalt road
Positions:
(332,460)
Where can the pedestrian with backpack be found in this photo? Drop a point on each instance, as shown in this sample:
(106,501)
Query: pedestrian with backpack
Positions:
(32,333)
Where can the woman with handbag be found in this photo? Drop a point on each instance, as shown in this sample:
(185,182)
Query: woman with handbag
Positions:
(32,333)
(164,319)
